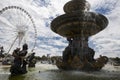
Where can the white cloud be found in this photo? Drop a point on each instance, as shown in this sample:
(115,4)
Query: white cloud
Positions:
(106,42)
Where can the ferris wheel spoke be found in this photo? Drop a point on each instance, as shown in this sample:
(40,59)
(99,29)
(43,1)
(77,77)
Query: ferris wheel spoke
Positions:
(21,17)
(20,21)
(8,37)
(12,44)
(5,30)
(5,22)
(8,29)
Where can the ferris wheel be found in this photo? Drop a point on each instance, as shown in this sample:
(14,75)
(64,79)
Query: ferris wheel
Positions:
(16,28)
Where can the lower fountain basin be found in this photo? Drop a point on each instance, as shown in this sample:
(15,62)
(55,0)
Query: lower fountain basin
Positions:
(77,64)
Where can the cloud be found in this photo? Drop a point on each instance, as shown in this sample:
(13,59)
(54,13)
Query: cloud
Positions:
(42,16)
(106,42)
(105,6)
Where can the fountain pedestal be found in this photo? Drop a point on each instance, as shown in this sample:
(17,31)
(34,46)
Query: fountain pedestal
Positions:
(78,47)
(78,56)
(77,24)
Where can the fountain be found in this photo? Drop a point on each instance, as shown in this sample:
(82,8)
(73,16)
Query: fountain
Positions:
(77,24)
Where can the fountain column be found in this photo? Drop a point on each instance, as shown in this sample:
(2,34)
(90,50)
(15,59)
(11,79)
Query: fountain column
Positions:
(77,24)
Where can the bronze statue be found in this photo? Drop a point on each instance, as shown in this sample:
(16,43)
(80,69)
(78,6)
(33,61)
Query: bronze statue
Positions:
(19,64)
(31,60)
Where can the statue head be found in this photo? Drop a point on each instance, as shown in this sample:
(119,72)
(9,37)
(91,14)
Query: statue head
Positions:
(33,53)
(25,46)
(2,47)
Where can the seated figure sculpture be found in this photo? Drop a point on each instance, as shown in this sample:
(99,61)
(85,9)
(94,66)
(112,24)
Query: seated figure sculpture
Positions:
(67,52)
(19,64)
(31,60)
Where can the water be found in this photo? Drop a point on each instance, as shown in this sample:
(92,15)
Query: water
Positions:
(50,72)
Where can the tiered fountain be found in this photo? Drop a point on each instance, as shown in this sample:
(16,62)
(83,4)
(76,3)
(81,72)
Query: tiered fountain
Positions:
(77,24)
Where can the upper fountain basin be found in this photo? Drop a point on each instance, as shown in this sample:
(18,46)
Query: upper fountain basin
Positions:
(79,24)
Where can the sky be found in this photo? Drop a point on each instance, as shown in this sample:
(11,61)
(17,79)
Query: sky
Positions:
(106,42)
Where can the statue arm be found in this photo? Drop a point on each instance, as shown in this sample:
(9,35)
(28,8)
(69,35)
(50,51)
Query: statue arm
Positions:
(15,55)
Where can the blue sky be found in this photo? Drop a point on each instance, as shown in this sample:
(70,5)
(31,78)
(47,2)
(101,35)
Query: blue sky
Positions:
(106,42)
